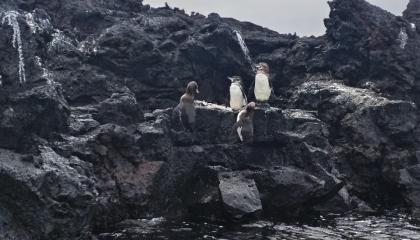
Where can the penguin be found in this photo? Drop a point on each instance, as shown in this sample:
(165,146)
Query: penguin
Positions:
(262,84)
(237,95)
(185,111)
(244,123)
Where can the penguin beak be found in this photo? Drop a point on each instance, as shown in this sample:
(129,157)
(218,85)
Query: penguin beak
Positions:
(196,90)
(231,79)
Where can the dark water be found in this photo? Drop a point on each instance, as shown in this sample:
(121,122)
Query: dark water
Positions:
(389,226)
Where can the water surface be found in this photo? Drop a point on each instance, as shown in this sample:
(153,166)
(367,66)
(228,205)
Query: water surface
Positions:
(388,226)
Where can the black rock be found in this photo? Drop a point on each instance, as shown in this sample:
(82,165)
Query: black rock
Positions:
(54,200)
(120,109)
(341,134)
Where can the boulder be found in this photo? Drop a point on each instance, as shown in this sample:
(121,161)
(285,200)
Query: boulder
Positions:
(222,194)
(287,191)
(120,108)
(239,194)
(136,182)
(46,196)
(41,110)
(410,180)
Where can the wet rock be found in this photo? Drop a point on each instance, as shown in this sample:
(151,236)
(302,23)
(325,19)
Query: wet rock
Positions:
(136,227)
(218,193)
(409,179)
(286,190)
(239,194)
(340,202)
(204,199)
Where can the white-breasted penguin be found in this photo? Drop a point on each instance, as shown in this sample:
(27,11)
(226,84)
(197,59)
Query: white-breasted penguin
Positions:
(262,85)
(237,94)
(244,125)
(185,111)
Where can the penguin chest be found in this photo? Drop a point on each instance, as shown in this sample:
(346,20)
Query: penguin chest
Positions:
(262,88)
(237,100)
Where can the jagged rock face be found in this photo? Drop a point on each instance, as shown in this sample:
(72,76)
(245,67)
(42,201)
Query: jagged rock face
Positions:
(369,130)
(153,52)
(193,179)
(287,188)
(46,196)
(88,140)
(370,47)
(120,109)
(41,110)
(412,13)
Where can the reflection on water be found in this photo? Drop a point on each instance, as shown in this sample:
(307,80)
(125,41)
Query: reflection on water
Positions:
(388,226)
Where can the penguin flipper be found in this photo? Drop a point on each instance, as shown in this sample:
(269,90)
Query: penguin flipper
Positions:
(237,129)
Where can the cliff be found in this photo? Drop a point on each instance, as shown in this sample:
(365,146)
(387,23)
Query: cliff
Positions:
(86,138)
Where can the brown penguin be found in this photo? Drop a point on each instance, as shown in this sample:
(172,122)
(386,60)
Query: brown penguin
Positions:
(244,125)
(185,111)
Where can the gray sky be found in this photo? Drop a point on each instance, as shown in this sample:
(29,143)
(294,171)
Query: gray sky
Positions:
(305,17)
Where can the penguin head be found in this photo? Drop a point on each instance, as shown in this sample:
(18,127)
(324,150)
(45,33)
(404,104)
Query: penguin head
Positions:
(235,79)
(192,88)
(250,107)
(262,67)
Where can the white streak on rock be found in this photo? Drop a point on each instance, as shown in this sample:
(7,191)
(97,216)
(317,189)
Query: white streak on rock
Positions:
(11,18)
(244,48)
(402,38)
(413,26)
